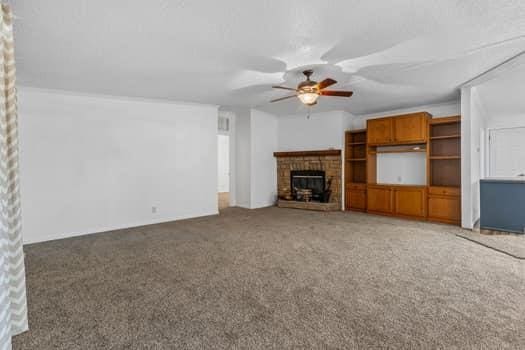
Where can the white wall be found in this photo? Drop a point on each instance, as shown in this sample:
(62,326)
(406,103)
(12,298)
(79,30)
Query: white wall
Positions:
(472,151)
(320,131)
(477,124)
(255,167)
(496,121)
(466,183)
(263,164)
(243,157)
(94,163)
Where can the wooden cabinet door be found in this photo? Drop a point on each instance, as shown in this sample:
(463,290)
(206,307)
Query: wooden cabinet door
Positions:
(357,200)
(410,201)
(410,128)
(444,209)
(379,131)
(355,196)
(379,199)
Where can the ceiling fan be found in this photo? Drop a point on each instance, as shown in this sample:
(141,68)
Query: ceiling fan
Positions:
(309,91)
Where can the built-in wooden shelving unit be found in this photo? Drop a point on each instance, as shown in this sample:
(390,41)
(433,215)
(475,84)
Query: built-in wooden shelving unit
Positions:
(439,199)
(355,170)
(444,170)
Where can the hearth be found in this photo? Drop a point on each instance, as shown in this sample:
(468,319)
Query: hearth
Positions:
(318,171)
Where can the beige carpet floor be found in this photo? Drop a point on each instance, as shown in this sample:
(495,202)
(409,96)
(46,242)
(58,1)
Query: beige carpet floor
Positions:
(274,279)
(511,244)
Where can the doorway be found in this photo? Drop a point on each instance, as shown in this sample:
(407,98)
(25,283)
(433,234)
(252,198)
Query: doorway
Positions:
(223,157)
(506,156)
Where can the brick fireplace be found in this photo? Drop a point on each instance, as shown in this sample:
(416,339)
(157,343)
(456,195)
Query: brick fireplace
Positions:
(310,166)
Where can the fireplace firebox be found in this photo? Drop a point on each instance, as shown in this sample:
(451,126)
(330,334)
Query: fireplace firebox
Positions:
(308,179)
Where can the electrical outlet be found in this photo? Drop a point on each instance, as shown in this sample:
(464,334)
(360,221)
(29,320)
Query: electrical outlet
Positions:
(153,210)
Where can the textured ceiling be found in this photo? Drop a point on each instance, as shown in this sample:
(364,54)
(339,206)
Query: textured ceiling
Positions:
(392,54)
(504,95)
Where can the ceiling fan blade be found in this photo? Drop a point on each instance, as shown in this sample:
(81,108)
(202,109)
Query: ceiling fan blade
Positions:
(326,83)
(336,93)
(283,87)
(282,98)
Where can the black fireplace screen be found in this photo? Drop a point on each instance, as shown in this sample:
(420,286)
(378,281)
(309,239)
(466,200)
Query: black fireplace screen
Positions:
(308,179)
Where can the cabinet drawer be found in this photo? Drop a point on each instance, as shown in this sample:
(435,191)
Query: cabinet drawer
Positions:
(444,209)
(410,202)
(444,191)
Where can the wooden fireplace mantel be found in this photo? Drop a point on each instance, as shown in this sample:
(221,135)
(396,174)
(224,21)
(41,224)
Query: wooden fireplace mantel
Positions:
(319,153)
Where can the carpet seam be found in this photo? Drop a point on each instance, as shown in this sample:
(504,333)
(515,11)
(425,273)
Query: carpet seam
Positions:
(493,248)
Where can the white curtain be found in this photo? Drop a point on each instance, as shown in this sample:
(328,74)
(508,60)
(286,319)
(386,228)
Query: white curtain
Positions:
(13,305)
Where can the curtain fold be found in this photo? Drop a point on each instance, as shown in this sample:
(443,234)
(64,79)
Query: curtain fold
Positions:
(13,304)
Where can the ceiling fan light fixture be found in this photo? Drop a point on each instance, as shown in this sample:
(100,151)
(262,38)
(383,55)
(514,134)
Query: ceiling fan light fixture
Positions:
(308,91)
(308,98)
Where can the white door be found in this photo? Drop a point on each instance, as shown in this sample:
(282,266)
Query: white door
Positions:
(223,156)
(507,152)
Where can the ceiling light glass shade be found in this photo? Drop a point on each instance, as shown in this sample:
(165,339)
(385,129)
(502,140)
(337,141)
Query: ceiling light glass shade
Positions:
(308,98)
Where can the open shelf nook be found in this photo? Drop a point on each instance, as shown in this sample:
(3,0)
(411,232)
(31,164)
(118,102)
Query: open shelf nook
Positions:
(355,170)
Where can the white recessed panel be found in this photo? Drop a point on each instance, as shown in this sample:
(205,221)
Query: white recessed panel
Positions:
(402,168)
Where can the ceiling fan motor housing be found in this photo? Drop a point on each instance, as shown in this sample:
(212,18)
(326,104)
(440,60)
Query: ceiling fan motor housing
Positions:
(308,85)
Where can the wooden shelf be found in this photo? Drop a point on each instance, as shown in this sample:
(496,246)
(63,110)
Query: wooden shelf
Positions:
(356,143)
(444,157)
(445,137)
(356,159)
(397,185)
(400,151)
